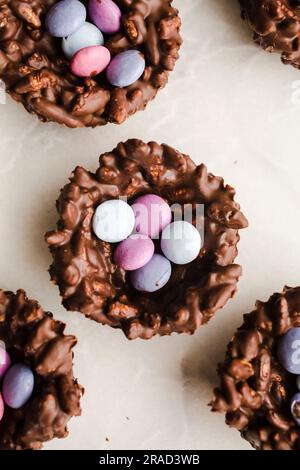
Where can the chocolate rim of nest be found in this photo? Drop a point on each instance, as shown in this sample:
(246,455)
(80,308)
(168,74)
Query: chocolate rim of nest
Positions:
(276,27)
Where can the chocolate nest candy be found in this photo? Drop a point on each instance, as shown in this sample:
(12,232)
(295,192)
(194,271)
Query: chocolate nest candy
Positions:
(255,390)
(33,337)
(276,26)
(37,74)
(83,266)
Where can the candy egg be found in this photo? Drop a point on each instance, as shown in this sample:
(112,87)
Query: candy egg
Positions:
(134,252)
(1,407)
(295,408)
(90,61)
(17,385)
(152,215)
(87,35)
(153,276)
(65,17)
(180,242)
(4,361)
(113,221)
(125,68)
(106,15)
(288,351)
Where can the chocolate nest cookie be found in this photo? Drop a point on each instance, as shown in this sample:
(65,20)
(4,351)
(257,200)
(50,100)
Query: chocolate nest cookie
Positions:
(37,74)
(276,26)
(84,268)
(255,389)
(31,336)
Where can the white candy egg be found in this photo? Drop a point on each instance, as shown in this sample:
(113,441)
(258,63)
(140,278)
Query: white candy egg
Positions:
(113,221)
(180,242)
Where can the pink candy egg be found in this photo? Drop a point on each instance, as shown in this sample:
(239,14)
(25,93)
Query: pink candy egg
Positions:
(152,215)
(90,61)
(134,252)
(4,361)
(1,407)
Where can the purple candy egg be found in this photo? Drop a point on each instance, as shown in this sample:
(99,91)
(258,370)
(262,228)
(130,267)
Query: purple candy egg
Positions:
(1,407)
(295,408)
(17,385)
(288,351)
(4,361)
(65,17)
(125,68)
(152,215)
(134,252)
(106,15)
(153,276)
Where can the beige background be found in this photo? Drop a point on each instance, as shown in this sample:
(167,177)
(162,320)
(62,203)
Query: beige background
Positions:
(237,109)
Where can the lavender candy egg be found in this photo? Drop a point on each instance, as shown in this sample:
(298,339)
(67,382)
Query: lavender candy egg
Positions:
(106,15)
(152,215)
(65,17)
(125,68)
(17,385)
(134,252)
(180,242)
(295,408)
(4,361)
(153,276)
(288,351)
(87,35)
(1,407)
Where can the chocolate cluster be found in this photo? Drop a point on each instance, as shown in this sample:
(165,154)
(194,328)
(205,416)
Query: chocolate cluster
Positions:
(37,74)
(255,389)
(84,268)
(31,336)
(276,26)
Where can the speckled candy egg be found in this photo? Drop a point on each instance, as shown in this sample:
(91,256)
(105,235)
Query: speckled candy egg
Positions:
(180,242)
(152,215)
(288,351)
(17,385)
(106,15)
(153,276)
(295,408)
(4,361)
(125,68)
(113,221)
(1,407)
(134,252)
(65,17)
(90,61)
(87,35)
